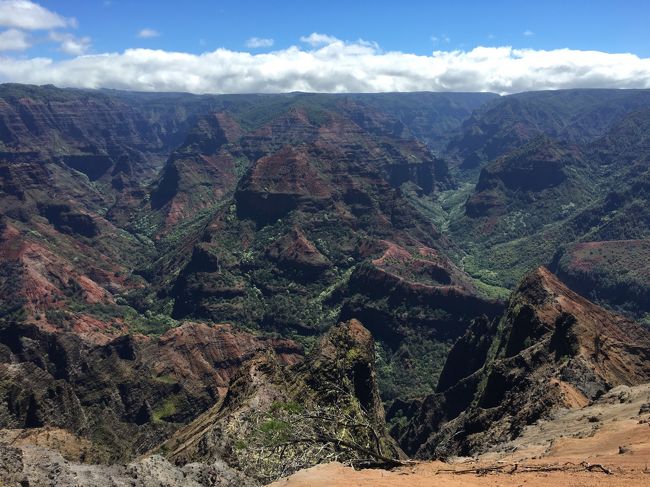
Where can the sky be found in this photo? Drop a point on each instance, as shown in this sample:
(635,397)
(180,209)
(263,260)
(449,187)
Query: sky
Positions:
(241,46)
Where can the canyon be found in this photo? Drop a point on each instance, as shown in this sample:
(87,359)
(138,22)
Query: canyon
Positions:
(236,289)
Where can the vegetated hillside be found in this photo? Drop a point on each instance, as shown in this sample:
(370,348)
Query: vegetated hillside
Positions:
(276,420)
(75,176)
(563,182)
(430,117)
(613,272)
(551,349)
(575,116)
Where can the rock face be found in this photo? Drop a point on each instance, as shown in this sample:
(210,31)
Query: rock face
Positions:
(313,174)
(58,134)
(312,160)
(40,466)
(201,172)
(537,166)
(127,395)
(552,348)
(554,171)
(276,419)
(298,255)
(417,303)
(614,272)
(132,223)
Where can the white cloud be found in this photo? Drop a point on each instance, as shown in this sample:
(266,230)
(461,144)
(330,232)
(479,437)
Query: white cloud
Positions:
(69,44)
(441,38)
(14,40)
(256,42)
(24,14)
(529,33)
(337,67)
(148,33)
(315,39)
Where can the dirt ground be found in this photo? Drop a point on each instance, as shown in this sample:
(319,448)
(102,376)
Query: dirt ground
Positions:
(429,474)
(612,432)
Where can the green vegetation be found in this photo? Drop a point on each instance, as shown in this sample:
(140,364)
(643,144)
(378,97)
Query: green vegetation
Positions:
(412,370)
(168,408)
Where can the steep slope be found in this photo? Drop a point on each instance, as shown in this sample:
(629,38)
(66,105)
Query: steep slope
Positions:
(544,192)
(128,394)
(614,272)
(64,134)
(565,450)
(575,116)
(536,179)
(202,171)
(275,420)
(551,349)
(429,117)
(61,272)
(73,166)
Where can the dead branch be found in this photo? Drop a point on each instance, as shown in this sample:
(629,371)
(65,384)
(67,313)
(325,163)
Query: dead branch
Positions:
(593,466)
(518,468)
(385,461)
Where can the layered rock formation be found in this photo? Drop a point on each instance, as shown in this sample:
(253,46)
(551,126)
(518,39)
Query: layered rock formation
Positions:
(551,349)
(311,223)
(128,394)
(524,174)
(614,272)
(576,116)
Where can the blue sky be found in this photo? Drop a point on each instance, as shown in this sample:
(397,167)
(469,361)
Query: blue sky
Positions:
(197,25)
(335,46)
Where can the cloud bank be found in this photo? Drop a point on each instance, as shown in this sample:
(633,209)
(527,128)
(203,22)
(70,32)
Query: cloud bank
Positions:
(327,64)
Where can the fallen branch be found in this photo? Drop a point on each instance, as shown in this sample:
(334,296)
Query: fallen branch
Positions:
(593,466)
(518,468)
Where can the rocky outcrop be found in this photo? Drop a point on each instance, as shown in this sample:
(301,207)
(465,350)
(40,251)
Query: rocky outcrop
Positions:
(127,395)
(450,306)
(416,303)
(29,465)
(296,254)
(275,419)
(202,171)
(551,349)
(613,273)
(319,188)
(280,183)
(537,166)
(430,117)
(64,219)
